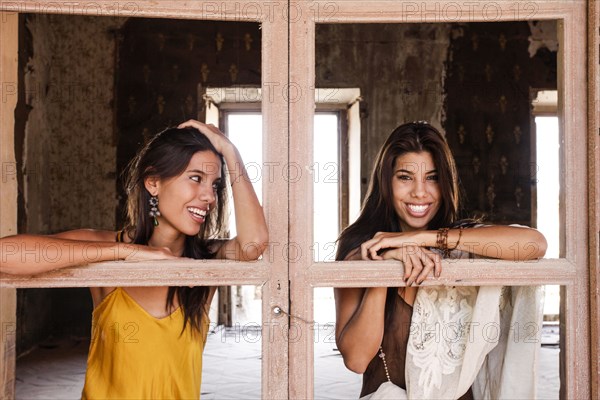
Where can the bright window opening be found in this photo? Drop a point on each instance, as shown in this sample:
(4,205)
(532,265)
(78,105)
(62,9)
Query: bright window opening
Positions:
(326,179)
(548,189)
(548,182)
(245,131)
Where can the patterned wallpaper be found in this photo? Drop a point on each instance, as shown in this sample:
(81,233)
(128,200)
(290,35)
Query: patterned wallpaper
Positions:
(489,78)
(69,148)
(472,79)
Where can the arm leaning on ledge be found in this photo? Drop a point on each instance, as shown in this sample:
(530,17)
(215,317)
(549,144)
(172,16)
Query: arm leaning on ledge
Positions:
(515,243)
(34,254)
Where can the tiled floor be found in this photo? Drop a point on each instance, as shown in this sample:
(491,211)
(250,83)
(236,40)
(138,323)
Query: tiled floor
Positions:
(231,369)
(231,364)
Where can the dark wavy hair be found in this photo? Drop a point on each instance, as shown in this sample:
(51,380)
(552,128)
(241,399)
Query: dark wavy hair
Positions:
(167,155)
(378,213)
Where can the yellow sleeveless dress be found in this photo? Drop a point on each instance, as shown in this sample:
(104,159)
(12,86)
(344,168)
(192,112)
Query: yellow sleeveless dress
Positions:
(134,355)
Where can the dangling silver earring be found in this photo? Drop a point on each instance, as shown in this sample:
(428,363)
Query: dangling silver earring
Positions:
(154,209)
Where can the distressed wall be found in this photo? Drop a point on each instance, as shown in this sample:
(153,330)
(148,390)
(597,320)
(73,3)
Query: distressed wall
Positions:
(68,152)
(492,70)
(69,137)
(473,80)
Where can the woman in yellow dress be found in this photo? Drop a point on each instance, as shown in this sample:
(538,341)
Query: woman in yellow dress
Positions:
(147,342)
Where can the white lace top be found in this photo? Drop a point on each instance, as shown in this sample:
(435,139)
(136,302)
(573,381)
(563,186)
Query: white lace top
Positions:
(488,337)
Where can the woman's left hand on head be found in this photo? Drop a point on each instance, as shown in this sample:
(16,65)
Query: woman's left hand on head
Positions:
(216,137)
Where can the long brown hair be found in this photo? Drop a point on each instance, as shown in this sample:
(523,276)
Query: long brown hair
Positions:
(378,213)
(167,155)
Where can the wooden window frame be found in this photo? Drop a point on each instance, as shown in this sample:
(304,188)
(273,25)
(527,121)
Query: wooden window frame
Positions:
(288,57)
(336,101)
(572,271)
(271,272)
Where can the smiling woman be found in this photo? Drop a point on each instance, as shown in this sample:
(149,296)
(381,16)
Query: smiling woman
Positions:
(176,206)
(410,214)
(188,198)
(416,190)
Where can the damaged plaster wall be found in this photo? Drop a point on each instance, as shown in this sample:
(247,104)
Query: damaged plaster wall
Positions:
(473,80)
(69,136)
(69,152)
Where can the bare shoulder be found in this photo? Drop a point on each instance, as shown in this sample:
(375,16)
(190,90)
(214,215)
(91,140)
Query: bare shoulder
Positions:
(92,235)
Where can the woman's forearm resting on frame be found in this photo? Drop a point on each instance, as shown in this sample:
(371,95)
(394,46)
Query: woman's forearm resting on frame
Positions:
(252,235)
(501,242)
(32,254)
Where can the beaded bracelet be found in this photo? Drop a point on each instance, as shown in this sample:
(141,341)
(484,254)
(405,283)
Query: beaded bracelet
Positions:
(460,231)
(442,240)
